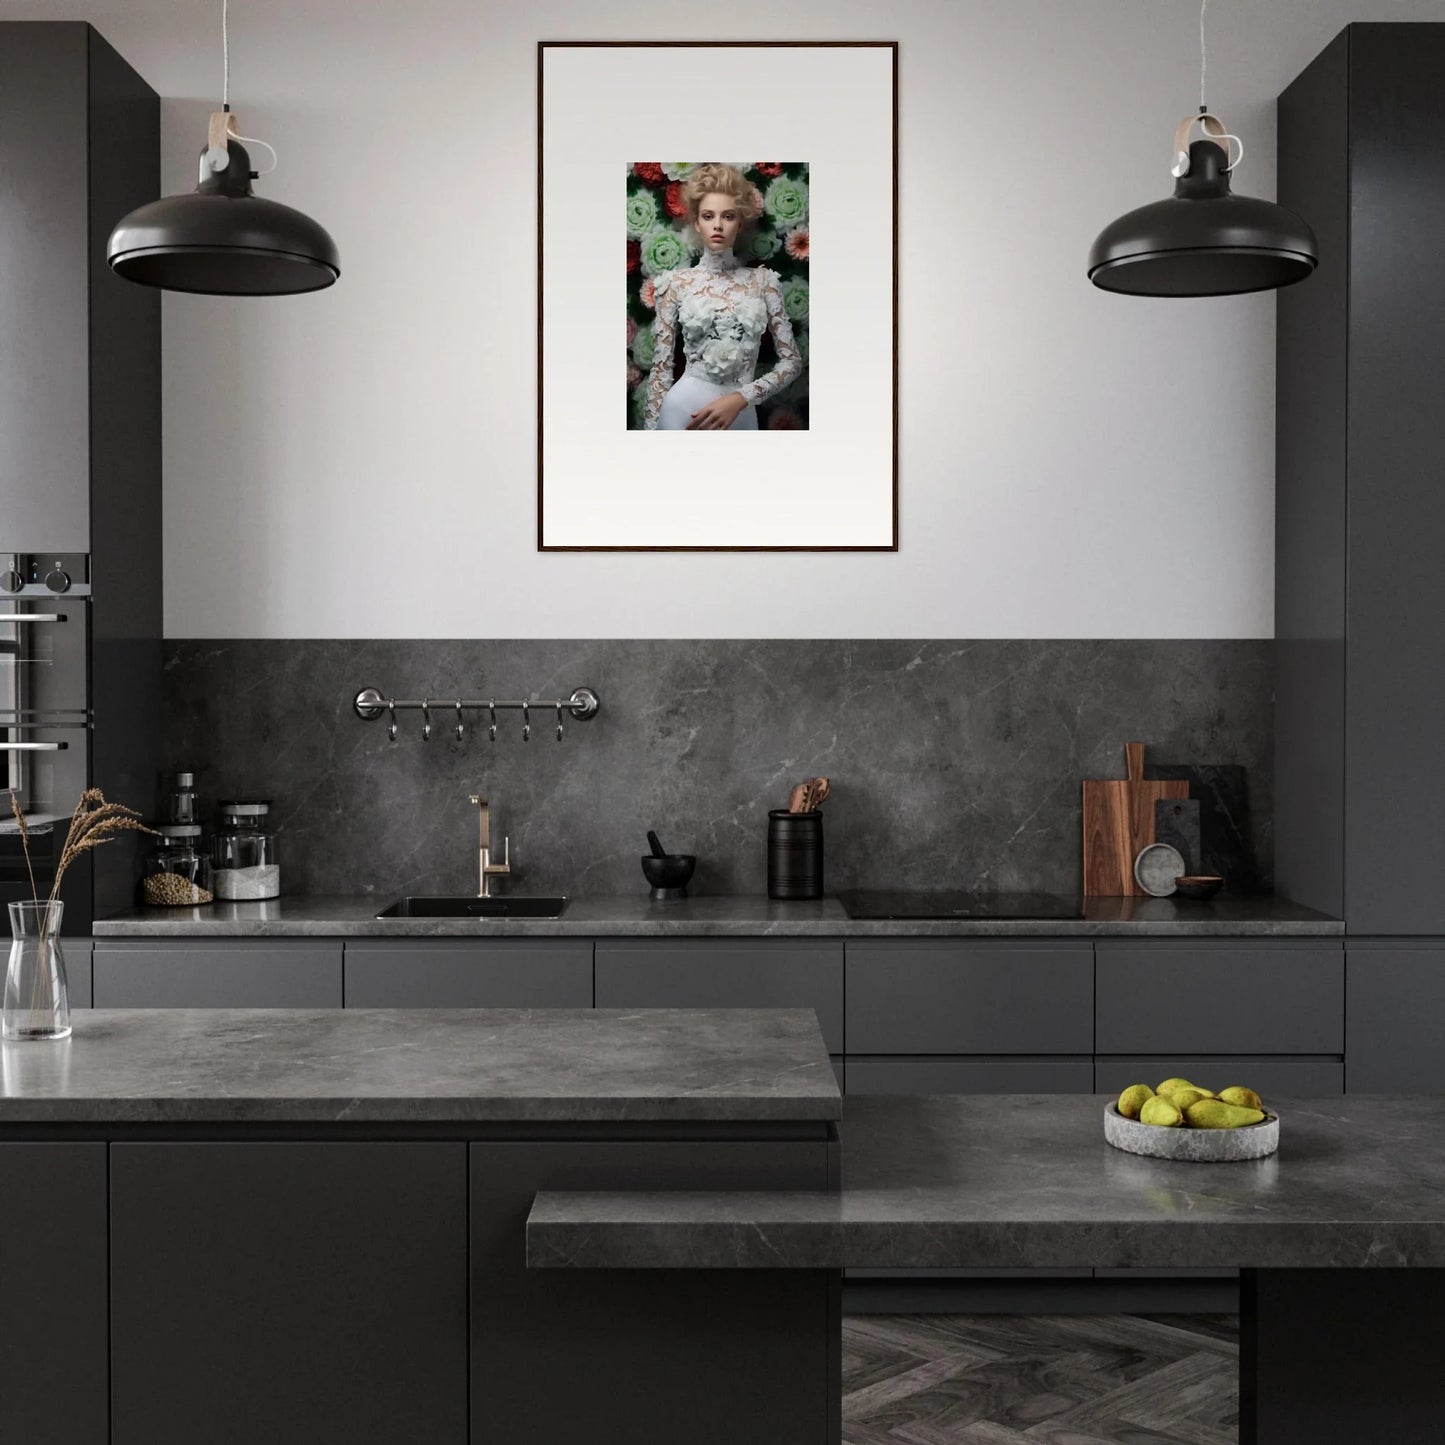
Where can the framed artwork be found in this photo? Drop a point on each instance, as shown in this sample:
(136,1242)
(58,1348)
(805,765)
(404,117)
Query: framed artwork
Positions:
(753,312)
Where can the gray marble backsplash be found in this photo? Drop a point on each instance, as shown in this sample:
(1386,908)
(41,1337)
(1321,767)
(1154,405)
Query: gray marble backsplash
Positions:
(954,764)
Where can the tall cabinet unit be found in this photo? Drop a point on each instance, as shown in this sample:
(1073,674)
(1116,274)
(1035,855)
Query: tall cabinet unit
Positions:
(1360,535)
(80,447)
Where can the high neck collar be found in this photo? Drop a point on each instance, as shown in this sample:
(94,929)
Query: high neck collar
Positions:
(718,260)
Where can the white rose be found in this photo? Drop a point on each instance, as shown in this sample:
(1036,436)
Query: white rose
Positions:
(696,314)
(720,359)
(752,316)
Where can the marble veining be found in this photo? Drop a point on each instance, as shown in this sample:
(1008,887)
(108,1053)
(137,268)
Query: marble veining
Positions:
(720,916)
(1027,1181)
(358,1066)
(954,764)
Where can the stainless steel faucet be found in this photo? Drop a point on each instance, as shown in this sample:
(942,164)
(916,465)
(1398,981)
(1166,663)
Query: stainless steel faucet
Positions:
(486,869)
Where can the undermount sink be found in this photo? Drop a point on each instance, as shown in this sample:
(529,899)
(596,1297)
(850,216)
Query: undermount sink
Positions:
(474,907)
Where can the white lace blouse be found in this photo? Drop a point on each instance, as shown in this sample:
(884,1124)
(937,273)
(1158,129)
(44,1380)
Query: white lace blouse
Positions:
(723,309)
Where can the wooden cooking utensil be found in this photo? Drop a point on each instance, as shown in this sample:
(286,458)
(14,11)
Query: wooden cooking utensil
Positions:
(1119,822)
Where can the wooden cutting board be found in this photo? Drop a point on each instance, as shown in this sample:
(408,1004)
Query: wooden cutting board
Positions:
(1118,822)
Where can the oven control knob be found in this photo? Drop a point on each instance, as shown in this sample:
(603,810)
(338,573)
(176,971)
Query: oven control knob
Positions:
(58,580)
(11,580)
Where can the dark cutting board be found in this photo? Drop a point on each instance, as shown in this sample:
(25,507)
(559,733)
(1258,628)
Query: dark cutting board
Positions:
(1225,839)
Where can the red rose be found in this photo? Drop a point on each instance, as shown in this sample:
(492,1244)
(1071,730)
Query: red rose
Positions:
(648,171)
(673,200)
(634,256)
(769,168)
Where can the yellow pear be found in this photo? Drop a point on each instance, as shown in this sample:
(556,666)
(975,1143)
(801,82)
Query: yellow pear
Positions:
(1133,1099)
(1245,1098)
(1183,1098)
(1214,1114)
(1170,1085)
(1162,1112)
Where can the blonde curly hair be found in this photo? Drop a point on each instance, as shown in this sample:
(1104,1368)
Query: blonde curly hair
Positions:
(712,178)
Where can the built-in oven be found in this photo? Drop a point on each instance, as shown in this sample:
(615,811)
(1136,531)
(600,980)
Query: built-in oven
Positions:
(45,719)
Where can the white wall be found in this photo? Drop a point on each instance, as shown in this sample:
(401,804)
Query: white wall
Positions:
(360,463)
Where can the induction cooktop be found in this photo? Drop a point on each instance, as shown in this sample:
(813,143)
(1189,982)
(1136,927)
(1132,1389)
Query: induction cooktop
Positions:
(883,904)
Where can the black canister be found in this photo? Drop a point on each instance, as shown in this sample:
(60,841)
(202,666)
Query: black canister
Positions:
(795,854)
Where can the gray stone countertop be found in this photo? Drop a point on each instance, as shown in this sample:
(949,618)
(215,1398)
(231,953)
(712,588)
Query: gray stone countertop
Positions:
(972,1181)
(453,1066)
(722,915)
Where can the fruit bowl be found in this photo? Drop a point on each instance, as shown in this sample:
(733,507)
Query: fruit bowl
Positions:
(1195,1146)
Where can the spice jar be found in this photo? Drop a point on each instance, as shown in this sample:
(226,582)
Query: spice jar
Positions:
(246,865)
(178,870)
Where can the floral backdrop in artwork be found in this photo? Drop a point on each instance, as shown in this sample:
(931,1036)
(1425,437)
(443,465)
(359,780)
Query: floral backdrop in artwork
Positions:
(660,239)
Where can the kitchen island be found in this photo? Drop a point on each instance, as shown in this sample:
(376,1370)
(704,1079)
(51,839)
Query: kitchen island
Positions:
(309,1226)
(1340,1235)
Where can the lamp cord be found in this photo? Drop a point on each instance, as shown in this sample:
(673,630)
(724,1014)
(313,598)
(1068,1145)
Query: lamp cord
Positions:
(1203,56)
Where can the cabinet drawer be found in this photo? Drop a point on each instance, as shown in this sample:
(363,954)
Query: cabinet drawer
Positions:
(231,974)
(1300,1078)
(503,973)
(926,997)
(1395,1026)
(970,1076)
(705,974)
(1227,998)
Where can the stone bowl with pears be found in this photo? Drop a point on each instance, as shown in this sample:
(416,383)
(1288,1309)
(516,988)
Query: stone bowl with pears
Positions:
(1183,1120)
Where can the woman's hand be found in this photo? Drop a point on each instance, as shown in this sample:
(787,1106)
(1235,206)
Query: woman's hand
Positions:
(718,415)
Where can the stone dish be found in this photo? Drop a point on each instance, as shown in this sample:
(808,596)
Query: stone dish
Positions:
(1195,1146)
(1156,868)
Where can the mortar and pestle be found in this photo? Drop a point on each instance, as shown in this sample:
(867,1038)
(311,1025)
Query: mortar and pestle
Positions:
(667,872)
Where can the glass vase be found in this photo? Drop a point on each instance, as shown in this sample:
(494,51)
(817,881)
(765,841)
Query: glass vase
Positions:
(37,1002)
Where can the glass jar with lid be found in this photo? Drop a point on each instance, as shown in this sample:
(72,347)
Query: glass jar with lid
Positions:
(246,865)
(178,870)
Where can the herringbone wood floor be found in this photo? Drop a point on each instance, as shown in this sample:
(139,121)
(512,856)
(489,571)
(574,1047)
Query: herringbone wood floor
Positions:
(1040,1380)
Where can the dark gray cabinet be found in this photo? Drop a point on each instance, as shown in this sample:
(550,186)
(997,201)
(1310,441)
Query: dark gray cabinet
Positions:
(53,1329)
(221,973)
(461,973)
(927,996)
(708,973)
(226,1258)
(1360,690)
(1216,997)
(1395,1018)
(748,1365)
(1299,1076)
(917,1075)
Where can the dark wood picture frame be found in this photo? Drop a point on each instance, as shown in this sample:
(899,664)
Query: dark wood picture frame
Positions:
(542,47)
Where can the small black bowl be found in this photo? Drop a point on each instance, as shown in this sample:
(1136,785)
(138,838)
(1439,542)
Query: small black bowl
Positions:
(1198,885)
(669,874)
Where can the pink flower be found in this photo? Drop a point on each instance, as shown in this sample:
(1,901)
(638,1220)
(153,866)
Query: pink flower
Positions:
(673,200)
(769,168)
(633,376)
(795,243)
(784,421)
(648,296)
(648,171)
(631,331)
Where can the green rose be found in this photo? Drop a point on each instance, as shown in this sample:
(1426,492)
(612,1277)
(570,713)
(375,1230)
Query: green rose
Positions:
(795,298)
(644,345)
(762,244)
(662,250)
(786,201)
(642,215)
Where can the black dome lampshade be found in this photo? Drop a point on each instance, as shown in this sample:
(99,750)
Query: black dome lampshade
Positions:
(222,239)
(1203,240)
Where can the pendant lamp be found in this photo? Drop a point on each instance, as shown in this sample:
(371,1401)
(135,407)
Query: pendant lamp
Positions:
(222,239)
(1203,240)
